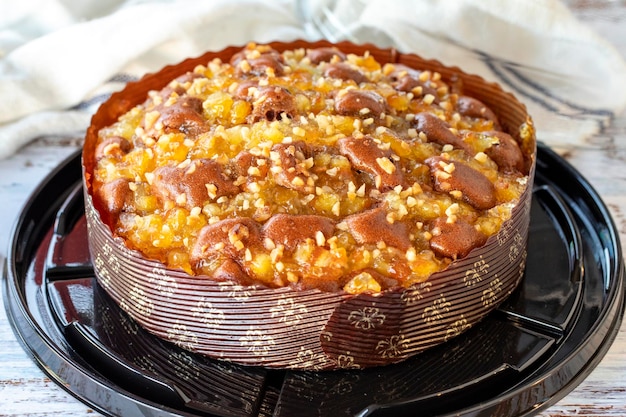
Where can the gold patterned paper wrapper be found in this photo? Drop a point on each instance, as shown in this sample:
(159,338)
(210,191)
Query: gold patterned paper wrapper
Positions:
(310,329)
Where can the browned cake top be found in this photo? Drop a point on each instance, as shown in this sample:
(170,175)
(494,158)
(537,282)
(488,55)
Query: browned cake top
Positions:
(309,168)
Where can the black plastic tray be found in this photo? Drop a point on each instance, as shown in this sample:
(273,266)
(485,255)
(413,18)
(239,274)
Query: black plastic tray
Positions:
(539,345)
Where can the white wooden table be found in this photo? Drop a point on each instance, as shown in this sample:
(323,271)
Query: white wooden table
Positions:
(26,391)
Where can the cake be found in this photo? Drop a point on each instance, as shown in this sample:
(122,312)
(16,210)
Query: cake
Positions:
(309,205)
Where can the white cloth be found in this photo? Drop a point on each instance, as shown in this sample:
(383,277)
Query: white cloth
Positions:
(60,58)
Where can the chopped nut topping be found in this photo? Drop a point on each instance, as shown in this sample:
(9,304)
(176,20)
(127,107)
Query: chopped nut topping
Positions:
(386,165)
(303,166)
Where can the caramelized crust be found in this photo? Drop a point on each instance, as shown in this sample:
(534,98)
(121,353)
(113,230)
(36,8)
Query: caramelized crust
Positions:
(455,240)
(184,116)
(325,54)
(311,169)
(372,227)
(366,155)
(462,182)
(290,230)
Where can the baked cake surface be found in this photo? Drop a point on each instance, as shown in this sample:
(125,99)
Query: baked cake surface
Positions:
(309,205)
(310,168)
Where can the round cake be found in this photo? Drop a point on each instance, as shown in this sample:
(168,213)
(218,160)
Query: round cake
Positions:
(309,205)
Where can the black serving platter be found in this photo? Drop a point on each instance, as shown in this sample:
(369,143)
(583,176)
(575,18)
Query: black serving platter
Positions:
(529,353)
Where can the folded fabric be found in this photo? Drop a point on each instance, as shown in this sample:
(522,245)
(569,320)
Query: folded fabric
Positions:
(58,62)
